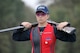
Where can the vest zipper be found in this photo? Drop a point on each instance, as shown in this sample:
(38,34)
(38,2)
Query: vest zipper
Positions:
(40,44)
(40,41)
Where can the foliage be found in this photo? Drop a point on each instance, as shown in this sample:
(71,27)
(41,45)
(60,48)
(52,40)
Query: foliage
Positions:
(13,12)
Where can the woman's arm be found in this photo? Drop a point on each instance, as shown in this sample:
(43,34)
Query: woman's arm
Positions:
(63,36)
(20,35)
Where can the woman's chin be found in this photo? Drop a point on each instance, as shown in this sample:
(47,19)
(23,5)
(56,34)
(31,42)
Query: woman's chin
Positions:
(40,22)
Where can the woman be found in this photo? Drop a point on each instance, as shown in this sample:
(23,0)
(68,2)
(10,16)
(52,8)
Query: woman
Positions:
(44,35)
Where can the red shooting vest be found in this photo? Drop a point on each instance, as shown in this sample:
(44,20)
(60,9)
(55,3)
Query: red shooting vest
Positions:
(47,39)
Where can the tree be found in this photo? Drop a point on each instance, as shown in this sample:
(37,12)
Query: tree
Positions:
(12,13)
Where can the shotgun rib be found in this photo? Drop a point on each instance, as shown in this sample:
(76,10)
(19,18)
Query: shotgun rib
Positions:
(10,29)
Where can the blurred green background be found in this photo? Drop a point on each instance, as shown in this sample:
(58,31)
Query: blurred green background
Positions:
(13,12)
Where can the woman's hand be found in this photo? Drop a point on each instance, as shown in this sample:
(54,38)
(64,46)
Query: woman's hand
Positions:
(26,24)
(61,25)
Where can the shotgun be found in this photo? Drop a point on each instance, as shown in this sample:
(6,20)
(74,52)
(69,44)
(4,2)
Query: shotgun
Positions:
(67,29)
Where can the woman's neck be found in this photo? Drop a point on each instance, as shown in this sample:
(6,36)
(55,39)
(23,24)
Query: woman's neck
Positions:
(42,24)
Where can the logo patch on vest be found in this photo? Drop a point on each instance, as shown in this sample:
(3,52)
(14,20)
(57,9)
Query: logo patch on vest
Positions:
(48,38)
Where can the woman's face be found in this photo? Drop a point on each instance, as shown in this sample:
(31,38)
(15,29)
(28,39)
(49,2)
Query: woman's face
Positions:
(41,17)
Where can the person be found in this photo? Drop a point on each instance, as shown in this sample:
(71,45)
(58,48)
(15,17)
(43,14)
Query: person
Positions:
(43,36)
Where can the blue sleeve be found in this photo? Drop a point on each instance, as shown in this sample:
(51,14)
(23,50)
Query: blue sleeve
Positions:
(63,36)
(20,35)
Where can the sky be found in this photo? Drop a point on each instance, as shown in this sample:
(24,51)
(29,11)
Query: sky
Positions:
(34,3)
(30,3)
